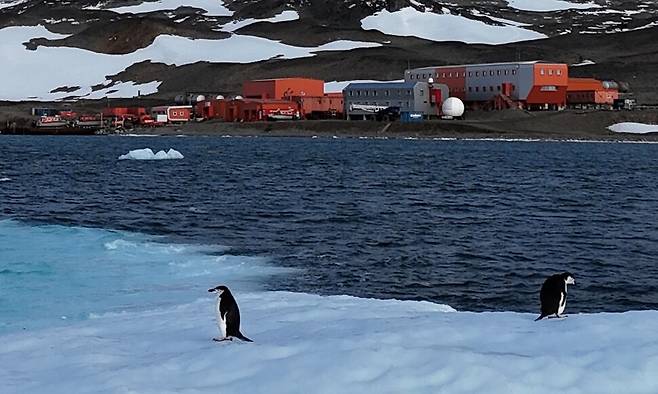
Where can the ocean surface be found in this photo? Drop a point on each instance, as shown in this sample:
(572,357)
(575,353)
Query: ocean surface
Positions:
(477,225)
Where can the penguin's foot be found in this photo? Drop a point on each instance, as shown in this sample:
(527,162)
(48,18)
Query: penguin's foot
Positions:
(222,339)
(556,316)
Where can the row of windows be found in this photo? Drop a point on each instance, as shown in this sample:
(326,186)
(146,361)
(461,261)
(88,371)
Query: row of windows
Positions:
(373,93)
(462,74)
(387,103)
(543,71)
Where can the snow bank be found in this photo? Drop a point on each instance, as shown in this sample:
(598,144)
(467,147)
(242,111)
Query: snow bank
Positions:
(211,7)
(338,86)
(23,77)
(548,5)
(147,154)
(445,27)
(306,343)
(635,128)
(285,16)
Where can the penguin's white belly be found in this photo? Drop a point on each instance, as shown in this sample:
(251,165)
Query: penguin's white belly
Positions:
(221,323)
(563,304)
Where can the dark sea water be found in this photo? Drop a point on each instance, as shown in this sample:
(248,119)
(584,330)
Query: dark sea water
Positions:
(477,225)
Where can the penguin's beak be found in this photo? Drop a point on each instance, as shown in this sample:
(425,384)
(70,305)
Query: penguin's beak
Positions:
(211,290)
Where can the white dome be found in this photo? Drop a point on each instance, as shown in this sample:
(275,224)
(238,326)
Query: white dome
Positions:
(198,98)
(238,98)
(219,97)
(453,107)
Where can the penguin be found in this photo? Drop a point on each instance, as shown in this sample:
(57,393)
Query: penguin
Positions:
(228,315)
(553,294)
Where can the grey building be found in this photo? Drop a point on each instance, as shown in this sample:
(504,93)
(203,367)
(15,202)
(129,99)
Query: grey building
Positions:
(363,100)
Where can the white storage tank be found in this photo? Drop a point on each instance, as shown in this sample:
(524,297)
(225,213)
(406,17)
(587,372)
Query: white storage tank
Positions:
(453,107)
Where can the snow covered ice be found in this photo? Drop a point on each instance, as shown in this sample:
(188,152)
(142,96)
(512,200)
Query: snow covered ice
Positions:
(634,128)
(306,343)
(146,327)
(147,154)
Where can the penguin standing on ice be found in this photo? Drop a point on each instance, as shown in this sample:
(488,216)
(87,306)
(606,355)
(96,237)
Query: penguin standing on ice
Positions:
(228,315)
(553,294)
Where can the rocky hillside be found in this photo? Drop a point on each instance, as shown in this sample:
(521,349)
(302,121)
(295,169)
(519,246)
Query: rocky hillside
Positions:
(117,48)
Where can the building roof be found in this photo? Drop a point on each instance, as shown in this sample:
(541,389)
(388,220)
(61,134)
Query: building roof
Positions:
(486,64)
(381,85)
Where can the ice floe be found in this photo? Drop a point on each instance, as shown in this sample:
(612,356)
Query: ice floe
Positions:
(445,27)
(307,343)
(147,154)
(634,128)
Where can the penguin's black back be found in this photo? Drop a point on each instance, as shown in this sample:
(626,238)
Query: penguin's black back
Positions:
(229,311)
(550,295)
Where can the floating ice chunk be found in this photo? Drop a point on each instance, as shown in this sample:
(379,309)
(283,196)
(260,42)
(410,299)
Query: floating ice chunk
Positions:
(147,154)
(5,179)
(635,128)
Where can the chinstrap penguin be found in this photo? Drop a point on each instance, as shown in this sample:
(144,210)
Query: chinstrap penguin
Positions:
(553,294)
(228,315)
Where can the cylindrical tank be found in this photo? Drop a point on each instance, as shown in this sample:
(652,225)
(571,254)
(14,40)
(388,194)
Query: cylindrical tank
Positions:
(453,107)
(610,85)
(180,99)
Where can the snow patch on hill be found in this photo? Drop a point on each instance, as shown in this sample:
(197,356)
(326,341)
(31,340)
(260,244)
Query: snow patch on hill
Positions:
(548,5)
(24,75)
(284,16)
(446,27)
(211,7)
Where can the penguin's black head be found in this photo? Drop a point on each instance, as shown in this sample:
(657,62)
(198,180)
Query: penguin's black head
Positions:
(568,278)
(220,290)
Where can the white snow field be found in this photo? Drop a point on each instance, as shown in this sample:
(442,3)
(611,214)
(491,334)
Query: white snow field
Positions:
(549,5)
(311,344)
(445,27)
(211,7)
(633,128)
(24,77)
(284,16)
(147,154)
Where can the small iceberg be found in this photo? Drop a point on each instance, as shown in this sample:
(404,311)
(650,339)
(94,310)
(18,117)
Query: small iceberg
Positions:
(5,179)
(635,128)
(147,154)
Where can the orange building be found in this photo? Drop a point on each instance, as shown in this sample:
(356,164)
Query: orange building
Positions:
(590,91)
(253,110)
(327,106)
(282,88)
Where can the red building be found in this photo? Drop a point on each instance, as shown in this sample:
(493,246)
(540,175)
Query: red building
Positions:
(173,113)
(534,84)
(590,91)
(253,110)
(282,88)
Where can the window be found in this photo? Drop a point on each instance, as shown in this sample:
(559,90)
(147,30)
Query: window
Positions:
(513,72)
(358,93)
(477,88)
(464,74)
(550,72)
(386,92)
(411,76)
(491,88)
(450,75)
(436,75)
(374,93)
(542,72)
(424,76)
(408,92)
(498,87)
(559,72)
(497,72)
(506,72)
(422,92)
(491,73)
(350,93)
(477,73)
(365,93)
(443,75)
(470,73)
